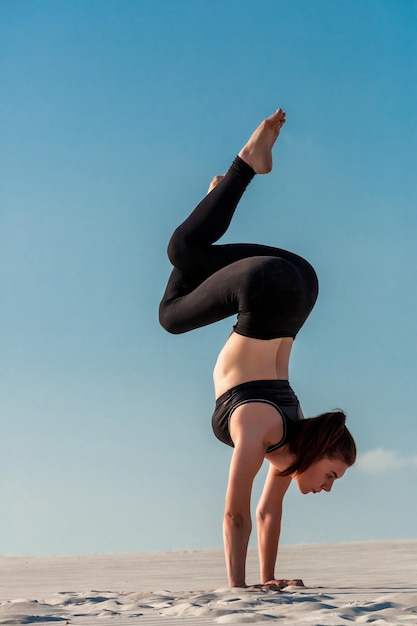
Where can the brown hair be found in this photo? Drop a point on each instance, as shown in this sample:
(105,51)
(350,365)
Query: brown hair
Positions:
(317,437)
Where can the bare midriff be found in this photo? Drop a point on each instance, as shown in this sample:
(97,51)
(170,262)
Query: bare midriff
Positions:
(244,359)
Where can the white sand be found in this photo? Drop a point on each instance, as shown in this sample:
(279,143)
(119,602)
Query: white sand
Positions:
(360,583)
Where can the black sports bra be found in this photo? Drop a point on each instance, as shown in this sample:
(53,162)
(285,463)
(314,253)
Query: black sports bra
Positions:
(277,393)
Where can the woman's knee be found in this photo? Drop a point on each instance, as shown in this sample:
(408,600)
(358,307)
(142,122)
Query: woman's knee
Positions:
(176,249)
(168,321)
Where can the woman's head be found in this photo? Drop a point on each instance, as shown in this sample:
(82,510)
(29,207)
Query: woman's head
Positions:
(320,475)
(319,440)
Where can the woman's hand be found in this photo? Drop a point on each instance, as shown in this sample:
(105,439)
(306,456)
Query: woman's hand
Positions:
(297,582)
(274,585)
(269,586)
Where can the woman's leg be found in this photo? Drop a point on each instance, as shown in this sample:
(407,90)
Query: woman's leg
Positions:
(190,248)
(261,283)
(271,295)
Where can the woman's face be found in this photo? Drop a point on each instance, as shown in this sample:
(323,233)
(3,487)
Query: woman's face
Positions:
(321,475)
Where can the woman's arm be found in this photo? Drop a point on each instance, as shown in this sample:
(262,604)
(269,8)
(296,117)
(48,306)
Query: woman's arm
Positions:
(252,427)
(237,525)
(268,515)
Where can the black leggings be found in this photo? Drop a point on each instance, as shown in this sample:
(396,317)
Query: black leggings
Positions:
(271,290)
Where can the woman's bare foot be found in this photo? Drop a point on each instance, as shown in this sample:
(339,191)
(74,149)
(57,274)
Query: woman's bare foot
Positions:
(214,183)
(258,151)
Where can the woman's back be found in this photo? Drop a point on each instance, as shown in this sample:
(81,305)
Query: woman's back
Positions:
(244,359)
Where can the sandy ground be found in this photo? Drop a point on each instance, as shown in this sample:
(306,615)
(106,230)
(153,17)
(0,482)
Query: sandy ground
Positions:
(370,582)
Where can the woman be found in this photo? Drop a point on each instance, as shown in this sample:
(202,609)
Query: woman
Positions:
(272,291)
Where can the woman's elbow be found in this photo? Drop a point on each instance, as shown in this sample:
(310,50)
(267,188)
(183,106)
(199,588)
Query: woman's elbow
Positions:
(265,516)
(236,521)
(260,514)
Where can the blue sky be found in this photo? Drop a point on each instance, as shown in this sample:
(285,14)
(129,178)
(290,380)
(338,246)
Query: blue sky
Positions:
(115,115)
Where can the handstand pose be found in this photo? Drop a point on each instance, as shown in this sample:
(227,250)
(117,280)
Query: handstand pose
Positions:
(272,291)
